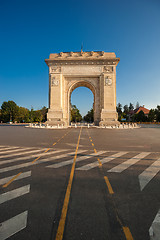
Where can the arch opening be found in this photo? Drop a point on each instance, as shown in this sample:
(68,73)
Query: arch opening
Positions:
(82,96)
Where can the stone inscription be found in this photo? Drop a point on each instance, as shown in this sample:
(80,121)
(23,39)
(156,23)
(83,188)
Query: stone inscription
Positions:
(83,70)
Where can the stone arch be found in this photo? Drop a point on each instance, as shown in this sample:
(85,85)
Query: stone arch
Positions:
(95,70)
(81,83)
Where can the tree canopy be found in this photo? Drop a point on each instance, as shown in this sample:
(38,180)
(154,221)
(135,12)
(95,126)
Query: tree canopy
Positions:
(89,117)
(75,114)
(11,112)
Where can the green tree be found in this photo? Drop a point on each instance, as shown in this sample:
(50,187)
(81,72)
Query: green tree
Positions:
(137,105)
(9,111)
(131,107)
(44,111)
(126,109)
(75,114)
(0,115)
(151,115)
(31,115)
(89,117)
(119,111)
(23,115)
(157,113)
(140,117)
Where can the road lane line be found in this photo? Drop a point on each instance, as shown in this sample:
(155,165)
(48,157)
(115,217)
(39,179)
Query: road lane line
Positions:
(56,165)
(146,176)
(154,230)
(126,230)
(127,233)
(7,148)
(104,160)
(28,157)
(65,163)
(7,179)
(20,158)
(35,159)
(47,150)
(11,180)
(17,154)
(23,165)
(123,166)
(108,185)
(13,225)
(14,193)
(60,138)
(55,157)
(95,150)
(60,230)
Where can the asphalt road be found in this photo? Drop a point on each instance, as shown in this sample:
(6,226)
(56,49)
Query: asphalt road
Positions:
(112,192)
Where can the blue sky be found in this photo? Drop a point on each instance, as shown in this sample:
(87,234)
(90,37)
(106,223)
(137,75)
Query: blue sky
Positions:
(31,30)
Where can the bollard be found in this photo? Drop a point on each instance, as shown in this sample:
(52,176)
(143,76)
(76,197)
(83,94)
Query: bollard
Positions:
(88,125)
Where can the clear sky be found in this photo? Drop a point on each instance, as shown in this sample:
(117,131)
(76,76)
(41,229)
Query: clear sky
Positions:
(30,30)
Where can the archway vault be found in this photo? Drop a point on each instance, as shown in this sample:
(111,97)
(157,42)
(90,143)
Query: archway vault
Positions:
(94,70)
(78,84)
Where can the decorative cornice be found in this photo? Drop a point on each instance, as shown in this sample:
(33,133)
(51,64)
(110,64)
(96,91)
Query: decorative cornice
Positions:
(83,58)
(111,62)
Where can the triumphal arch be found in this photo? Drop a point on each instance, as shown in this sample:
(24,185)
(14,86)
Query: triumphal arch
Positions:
(94,70)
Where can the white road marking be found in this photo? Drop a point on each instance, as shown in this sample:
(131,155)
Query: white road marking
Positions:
(22,165)
(61,156)
(154,230)
(51,152)
(123,166)
(15,154)
(65,163)
(13,225)
(7,148)
(14,193)
(146,176)
(30,157)
(21,158)
(104,160)
(21,176)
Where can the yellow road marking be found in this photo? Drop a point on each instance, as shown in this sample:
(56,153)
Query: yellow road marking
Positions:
(60,231)
(127,233)
(95,150)
(6,185)
(47,150)
(126,230)
(36,159)
(60,138)
(100,164)
(108,185)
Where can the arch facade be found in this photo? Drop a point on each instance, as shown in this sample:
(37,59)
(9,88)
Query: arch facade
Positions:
(94,70)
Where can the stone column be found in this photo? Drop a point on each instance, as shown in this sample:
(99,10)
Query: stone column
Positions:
(109,115)
(55,112)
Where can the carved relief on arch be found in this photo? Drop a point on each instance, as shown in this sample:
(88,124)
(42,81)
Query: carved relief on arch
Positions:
(54,81)
(55,69)
(107,69)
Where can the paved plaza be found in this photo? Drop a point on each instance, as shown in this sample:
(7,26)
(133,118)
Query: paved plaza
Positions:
(79,183)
